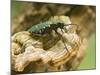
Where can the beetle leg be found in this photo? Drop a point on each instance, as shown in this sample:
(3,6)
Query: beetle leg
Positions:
(62,39)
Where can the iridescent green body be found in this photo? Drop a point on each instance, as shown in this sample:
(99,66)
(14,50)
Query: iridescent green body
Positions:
(40,26)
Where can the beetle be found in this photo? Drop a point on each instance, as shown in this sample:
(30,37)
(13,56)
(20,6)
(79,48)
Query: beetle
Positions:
(48,26)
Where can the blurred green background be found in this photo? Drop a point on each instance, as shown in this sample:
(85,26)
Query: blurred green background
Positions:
(89,61)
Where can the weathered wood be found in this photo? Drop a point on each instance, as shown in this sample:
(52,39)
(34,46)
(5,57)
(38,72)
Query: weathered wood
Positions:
(54,57)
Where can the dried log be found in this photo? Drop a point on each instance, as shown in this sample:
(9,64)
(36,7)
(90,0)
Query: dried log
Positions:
(55,57)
